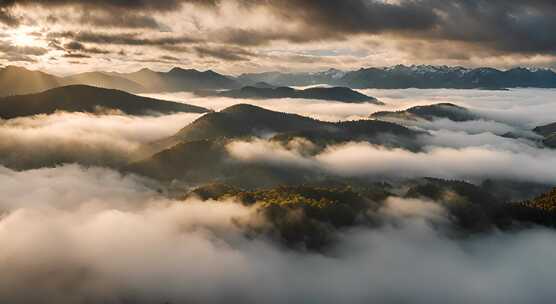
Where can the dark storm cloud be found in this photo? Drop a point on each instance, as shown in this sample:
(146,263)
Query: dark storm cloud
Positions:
(76,55)
(506,26)
(120,13)
(499,24)
(7,18)
(55,44)
(123,20)
(425,29)
(224,53)
(125,4)
(249,37)
(77,46)
(176,48)
(122,38)
(169,58)
(356,16)
(74,46)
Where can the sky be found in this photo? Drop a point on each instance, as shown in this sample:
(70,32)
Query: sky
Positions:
(239,36)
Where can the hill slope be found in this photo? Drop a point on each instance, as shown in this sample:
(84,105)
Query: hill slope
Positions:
(205,161)
(429,112)
(334,94)
(171,157)
(245,120)
(549,133)
(80,98)
(103,80)
(546,130)
(540,210)
(179,79)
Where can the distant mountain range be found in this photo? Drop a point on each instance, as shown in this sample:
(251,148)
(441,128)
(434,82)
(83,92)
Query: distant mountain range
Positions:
(415,76)
(342,94)
(401,76)
(17,80)
(81,98)
(178,79)
(332,76)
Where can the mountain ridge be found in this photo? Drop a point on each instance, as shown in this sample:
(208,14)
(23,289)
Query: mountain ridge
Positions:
(341,94)
(82,98)
(244,122)
(414,76)
(180,79)
(428,112)
(549,133)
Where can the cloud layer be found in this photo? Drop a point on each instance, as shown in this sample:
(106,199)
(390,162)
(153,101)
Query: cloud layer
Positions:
(312,35)
(75,235)
(105,140)
(365,160)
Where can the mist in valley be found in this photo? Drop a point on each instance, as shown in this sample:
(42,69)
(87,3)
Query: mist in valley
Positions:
(76,227)
(124,242)
(291,151)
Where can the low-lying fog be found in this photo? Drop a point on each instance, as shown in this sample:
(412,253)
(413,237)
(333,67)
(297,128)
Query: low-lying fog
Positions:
(30,142)
(524,107)
(470,150)
(76,234)
(474,163)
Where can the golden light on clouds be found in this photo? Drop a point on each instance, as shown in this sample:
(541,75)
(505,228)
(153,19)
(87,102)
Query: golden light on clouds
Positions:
(289,35)
(23,37)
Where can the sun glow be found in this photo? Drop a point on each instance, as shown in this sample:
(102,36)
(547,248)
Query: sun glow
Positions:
(23,37)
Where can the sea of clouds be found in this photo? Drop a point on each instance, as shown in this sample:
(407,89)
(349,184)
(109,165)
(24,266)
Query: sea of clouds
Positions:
(85,233)
(102,140)
(77,235)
